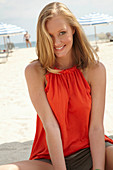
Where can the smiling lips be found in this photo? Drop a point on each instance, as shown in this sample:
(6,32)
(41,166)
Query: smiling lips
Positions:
(60,48)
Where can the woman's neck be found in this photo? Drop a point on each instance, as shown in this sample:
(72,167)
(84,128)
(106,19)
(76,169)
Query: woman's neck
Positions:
(62,63)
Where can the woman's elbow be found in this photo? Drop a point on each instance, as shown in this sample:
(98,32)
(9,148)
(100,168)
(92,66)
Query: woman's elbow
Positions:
(51,126)
(96,131)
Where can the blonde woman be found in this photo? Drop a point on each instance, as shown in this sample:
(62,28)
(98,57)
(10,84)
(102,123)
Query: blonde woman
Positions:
(67,88)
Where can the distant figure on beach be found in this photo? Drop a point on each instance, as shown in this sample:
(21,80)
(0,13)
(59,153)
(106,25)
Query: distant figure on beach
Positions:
(67,86)
(27,37)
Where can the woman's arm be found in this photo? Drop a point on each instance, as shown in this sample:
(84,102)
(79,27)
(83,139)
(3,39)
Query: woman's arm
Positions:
(97,79)
(35,81)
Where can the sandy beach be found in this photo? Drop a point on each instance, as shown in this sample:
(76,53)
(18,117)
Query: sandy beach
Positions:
(17,115)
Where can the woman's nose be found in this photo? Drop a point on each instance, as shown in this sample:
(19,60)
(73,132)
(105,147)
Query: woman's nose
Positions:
(57,41)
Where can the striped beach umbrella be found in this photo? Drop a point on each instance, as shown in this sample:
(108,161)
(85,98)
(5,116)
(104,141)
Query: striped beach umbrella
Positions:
(9,30)
(94,19)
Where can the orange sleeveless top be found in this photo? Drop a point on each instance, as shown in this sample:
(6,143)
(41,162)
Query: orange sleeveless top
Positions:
(68,94)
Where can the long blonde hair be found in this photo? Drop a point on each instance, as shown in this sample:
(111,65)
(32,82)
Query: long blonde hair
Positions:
(83,51)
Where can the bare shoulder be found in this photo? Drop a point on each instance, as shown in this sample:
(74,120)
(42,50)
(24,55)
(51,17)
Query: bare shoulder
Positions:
(96,73)
(97,67)
(34,69)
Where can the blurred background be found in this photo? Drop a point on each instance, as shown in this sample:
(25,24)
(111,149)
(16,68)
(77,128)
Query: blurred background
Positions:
(25,13)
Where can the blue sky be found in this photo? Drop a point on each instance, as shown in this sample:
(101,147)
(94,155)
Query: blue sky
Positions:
(24,13)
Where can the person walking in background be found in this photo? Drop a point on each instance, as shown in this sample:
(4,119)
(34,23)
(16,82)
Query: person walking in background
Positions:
(67,88)
(27,37)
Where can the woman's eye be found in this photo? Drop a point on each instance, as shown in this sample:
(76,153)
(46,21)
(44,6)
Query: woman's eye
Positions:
(50,35)
(62,33)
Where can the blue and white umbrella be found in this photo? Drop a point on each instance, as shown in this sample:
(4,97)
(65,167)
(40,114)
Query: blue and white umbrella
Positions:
(9,30)
(94,19)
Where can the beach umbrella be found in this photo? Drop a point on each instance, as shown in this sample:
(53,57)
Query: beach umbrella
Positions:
(10,30)
(94,19)
(7,30)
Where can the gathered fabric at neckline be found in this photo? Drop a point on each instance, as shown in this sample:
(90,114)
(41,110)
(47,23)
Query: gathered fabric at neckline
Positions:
(70,70)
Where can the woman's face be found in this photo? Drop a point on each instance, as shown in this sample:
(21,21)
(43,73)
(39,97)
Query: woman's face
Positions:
(62,36)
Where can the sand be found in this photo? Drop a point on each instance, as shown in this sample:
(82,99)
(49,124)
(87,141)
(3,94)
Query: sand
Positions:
(17,115)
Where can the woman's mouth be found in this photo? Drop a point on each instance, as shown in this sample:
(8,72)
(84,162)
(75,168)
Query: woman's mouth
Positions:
(59,48)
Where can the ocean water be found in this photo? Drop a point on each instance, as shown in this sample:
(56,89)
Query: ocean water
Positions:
(19,45)
(23,44)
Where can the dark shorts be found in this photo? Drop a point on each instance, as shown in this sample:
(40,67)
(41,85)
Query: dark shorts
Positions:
(81,160)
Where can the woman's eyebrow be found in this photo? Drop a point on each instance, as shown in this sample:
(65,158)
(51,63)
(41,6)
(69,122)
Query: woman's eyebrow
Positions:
(60,30)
